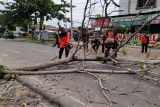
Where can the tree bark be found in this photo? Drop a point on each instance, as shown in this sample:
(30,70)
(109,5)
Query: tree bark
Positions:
(41,22)
(48,64)
(68,71)
(43,65)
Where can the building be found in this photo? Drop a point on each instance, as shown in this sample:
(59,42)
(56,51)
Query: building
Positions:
(150,8)
(132,7)
(48,28)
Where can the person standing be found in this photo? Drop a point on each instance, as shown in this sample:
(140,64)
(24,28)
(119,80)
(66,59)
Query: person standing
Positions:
(104,37)
(63,38)
(95,44)
(85,38)
(111,34)
(144,42)
(109,43)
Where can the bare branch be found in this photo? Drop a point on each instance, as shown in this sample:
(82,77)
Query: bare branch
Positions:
(135,33)
(67,71)
(115,3)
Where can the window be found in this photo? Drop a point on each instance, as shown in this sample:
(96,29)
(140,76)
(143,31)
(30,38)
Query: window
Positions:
(142,4)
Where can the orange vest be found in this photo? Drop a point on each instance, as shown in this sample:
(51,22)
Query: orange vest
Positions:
(110,35)
(143,39)
(64,40)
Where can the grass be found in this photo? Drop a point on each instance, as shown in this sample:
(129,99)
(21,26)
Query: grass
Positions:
(30,40)
(2,69)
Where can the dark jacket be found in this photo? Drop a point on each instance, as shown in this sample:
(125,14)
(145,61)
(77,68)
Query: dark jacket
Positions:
(96,42)
(85,38)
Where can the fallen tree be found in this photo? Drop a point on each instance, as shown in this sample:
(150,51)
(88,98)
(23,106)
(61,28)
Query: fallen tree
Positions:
(34,69)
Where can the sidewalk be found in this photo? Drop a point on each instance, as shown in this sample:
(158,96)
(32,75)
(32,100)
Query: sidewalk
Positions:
(135,53)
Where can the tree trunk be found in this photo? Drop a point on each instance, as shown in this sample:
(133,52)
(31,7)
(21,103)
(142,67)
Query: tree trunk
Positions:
(41,22)
(41,25)
(57,62)
(66,71)
(43,65)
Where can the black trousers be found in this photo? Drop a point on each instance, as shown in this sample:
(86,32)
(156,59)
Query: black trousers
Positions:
(61,52)
(107,52)
(95,47)
(144,47)
(103,45)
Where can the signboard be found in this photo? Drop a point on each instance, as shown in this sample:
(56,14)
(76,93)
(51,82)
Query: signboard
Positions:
(156,21)
(136,40)
(100,22)
(139,20)
(127,20)
(152,37)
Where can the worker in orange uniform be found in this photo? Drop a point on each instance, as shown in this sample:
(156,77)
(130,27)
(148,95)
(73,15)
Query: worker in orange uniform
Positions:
(145,42)
(111,34)
(64,39)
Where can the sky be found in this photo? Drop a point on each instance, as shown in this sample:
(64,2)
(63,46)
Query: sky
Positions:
(78,11)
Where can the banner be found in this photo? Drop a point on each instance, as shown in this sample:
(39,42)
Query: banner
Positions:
(152,37)
(139,20)
(136,40)
(100,22)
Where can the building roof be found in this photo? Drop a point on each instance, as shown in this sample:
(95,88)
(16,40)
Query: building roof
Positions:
(50,27)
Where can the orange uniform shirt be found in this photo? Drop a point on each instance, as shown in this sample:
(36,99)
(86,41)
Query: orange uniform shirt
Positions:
(64,40)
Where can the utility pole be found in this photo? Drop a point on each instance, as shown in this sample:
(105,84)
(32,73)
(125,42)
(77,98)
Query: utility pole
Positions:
(71,20)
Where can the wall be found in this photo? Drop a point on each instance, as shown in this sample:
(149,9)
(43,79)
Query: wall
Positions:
(124,6)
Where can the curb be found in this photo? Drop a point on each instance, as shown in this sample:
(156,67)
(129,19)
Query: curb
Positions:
(58,98)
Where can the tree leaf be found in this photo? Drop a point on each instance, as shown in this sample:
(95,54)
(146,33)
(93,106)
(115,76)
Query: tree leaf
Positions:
(129,69)
(124,52)
(143,65)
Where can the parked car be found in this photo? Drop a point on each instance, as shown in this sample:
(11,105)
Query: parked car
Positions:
(9,35)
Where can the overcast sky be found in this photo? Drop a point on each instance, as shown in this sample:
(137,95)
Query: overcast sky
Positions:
(79,9)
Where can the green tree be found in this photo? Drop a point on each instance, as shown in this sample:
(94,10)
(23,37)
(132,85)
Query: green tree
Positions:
(17,13)
(98,15)
(21,11)
(2,20)
(50,10)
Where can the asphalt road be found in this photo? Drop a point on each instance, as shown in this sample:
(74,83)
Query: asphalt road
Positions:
(16,54)
(81,88)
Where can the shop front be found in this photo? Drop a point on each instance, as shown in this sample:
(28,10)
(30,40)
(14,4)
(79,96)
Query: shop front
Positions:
(135,22)
(136,40)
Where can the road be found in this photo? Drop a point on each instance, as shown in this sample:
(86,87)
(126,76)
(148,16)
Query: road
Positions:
(81,89)
(16,54)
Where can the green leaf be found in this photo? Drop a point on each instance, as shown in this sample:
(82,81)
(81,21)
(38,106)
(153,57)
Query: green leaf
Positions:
(124,52)
(143,65)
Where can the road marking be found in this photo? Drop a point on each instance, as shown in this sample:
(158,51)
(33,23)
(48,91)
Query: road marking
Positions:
(75,99)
